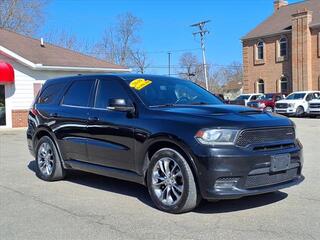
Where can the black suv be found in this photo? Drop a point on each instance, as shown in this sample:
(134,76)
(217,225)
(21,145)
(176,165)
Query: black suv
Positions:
(169,134)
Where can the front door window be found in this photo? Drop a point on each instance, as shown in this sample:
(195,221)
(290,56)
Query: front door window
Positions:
(2,106)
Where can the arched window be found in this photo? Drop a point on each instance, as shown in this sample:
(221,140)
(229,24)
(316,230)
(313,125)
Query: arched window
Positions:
(260,50)
(284,85)
(283,47)
(260,86)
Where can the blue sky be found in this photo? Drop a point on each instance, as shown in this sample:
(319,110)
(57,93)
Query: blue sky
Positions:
(166,24)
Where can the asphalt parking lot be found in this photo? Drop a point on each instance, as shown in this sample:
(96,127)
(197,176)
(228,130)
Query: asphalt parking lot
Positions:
(86,206)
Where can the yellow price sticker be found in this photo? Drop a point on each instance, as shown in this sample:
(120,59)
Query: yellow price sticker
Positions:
(140,83)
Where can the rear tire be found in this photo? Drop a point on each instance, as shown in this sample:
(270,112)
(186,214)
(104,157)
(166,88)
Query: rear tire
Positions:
(48,162)
(171,183)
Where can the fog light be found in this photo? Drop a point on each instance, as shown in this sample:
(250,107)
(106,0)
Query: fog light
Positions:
(226,182)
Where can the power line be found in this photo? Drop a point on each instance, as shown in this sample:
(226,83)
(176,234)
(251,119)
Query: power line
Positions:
(173,51)
(194,65)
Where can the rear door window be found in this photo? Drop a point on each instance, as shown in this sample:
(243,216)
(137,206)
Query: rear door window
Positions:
(108,89)
(78,93)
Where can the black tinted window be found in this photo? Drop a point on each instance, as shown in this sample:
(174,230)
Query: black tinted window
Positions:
(108,89)
(79,93)
(48,95)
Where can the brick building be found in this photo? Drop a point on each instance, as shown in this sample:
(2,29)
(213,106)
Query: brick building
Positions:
(282,54)
(26,63)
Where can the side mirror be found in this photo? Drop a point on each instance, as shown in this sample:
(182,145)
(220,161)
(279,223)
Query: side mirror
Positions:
(120,105)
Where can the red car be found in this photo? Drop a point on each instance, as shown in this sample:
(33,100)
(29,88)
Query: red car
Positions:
(266,102)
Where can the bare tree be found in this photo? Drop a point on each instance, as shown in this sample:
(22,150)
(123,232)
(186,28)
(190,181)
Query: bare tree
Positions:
(62,38)
(118,41)
(191,67)
(69,40)
(231,72)
(22,16)
(140,61)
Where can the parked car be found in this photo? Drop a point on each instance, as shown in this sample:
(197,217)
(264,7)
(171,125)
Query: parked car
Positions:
(168,134)
(243,99)
(266,102)
(296,103)
(314,107)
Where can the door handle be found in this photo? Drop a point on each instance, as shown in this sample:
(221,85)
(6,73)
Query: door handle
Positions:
(93,119)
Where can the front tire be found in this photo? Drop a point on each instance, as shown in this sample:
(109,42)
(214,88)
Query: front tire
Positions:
(300,111)
(171,183)
(268,109)
(48,162)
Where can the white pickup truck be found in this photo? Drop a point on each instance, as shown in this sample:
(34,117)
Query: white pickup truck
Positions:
(314,107)
(296,103)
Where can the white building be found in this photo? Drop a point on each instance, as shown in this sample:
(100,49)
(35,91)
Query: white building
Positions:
(26,63)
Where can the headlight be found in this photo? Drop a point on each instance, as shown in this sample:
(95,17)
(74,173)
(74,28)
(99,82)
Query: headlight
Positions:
(291,105)
(216,136)
(262,105)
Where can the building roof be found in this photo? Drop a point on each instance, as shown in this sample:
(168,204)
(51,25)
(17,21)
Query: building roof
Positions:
(50,55)
(280,21)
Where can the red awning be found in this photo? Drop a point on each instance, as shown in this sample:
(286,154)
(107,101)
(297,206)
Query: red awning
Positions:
(6,73)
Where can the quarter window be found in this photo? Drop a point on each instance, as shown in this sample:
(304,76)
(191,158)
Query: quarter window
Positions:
(79,93)
(108,89)
(49,94)
(260,50)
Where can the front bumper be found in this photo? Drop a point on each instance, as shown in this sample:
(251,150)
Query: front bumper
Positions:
(251,170)
(285,111)
(314,111)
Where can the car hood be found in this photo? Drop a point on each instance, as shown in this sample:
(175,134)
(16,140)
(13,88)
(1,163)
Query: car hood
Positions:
(315,101)
(289,101)
(223,115)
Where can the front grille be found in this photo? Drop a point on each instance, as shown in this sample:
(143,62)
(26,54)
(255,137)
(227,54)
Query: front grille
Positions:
(274,147)
(264,135)
(314,105)
(281,105)
(267,179)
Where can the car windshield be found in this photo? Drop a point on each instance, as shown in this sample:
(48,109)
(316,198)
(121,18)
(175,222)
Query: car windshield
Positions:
(266,97)
(243,97)
(296,96)
(157,91)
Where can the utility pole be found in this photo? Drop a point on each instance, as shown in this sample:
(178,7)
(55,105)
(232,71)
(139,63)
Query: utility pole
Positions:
(202,34)
(169,63)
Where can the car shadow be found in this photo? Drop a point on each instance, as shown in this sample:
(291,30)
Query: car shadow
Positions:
(141,193)
(245,203)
